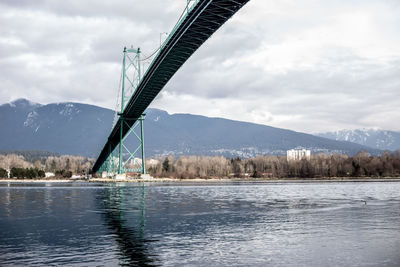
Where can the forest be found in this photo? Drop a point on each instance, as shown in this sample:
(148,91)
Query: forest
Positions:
(35,164)
(320,166)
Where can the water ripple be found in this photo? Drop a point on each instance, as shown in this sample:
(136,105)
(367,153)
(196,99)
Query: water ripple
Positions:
(277,224)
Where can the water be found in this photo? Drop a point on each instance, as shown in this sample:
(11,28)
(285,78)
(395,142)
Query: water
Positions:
(236,224)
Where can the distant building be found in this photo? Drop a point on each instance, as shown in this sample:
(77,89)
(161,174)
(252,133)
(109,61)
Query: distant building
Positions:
(298,154)
(49,174)
(152,162)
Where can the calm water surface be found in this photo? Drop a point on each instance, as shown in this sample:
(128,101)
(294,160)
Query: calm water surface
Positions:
(242,224)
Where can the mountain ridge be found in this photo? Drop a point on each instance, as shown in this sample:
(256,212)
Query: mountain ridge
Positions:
(373,137)
(81,129)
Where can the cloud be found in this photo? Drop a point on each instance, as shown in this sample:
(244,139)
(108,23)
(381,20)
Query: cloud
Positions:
(307,65)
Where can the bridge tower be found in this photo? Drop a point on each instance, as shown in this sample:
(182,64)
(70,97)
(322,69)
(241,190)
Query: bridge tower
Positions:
(131,75)
(125,158)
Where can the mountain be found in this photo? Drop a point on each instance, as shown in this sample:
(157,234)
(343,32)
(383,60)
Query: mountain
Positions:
(65,128)
(81,129)
(375,138)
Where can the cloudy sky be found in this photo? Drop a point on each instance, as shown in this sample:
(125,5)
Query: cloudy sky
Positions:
(305,65)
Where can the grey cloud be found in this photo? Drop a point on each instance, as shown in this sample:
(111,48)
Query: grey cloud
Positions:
(134,9)
(72,50)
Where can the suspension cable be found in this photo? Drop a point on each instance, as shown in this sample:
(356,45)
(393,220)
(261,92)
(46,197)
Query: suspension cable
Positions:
(176,24)
(146,58)
(119,93)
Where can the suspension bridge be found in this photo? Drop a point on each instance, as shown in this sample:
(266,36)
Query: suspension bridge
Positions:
(197,23)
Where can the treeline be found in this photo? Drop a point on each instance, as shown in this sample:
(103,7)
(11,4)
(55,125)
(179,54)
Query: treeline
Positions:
(74,164)
(319,166)
(61,166)
(29,173)
(191,167)
(30,155)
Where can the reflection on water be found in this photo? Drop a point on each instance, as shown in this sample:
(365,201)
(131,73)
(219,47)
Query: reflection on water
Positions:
(80,225)
(124,213)
(277,224)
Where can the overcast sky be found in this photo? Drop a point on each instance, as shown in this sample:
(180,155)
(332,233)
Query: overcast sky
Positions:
(305,65)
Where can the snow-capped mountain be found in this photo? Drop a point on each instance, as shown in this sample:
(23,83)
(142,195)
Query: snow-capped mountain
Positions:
(376,138)
(23,104)
(81,129)
(65,128)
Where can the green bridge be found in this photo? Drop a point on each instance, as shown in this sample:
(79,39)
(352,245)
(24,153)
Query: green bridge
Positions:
(198,22)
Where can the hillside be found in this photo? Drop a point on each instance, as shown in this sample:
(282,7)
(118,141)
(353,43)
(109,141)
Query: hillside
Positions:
(81,129)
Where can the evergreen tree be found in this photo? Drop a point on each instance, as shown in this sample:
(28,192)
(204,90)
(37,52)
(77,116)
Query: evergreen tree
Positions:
(166,165)
(3,173)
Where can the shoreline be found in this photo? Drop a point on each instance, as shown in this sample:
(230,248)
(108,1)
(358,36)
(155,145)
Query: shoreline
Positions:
(202,180)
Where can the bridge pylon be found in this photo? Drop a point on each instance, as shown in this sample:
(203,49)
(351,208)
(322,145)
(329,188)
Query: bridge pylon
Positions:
(128,160)
(127,156)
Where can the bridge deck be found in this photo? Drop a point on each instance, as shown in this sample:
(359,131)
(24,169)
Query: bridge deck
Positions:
(196,27)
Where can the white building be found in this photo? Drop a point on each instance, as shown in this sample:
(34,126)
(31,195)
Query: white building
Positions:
(49,174)
(298,154)
(152,162)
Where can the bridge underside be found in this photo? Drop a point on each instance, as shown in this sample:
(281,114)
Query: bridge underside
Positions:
(200,23)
